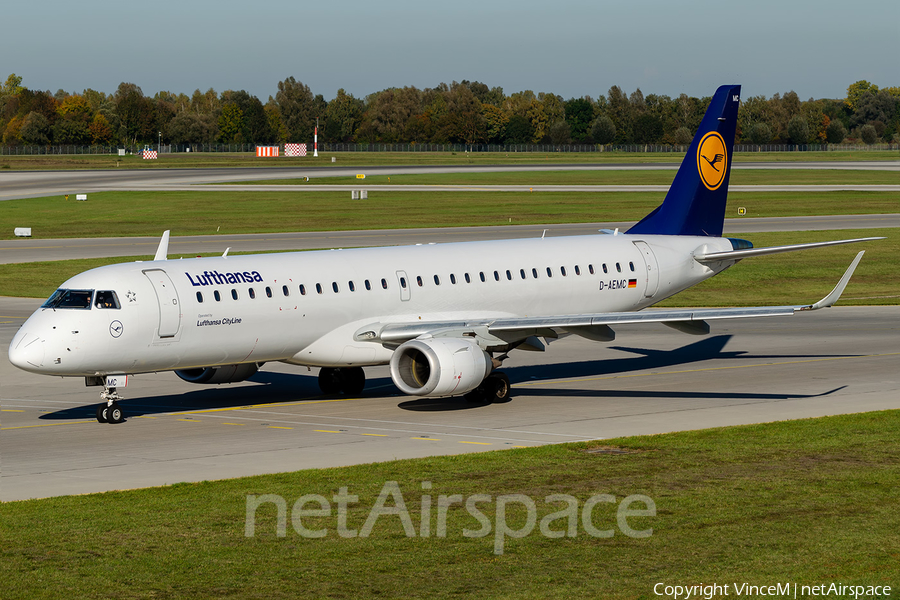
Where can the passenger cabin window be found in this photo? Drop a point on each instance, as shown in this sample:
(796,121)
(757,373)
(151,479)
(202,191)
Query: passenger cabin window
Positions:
(631,266)
(368,285)
(402,283)
(437,280)
(591,269)
(481,275)
(252,293)
(605,269)
(61,298)
(618,268)
(508,275)
(577,270)
(285,291)
(302,290)
(334,286)
(496,276)
(534,272)
(384,284)
(549,272)
(351,286)
(468,280)
(452,278)
(217,296)
(318,288)
(419,280)
(107,299)
(522,273)
(234,294)
(200,297)
(563,271)
(268,291)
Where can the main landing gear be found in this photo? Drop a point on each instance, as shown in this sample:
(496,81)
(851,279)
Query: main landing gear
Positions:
(494,388)
(111,412)
(349,380)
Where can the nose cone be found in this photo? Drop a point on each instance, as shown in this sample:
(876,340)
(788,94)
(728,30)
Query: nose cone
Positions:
(27,351)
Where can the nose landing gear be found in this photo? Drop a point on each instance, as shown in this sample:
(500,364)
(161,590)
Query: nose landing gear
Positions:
(111,412)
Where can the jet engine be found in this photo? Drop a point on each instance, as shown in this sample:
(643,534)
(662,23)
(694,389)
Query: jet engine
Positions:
(226,374)
(439,367)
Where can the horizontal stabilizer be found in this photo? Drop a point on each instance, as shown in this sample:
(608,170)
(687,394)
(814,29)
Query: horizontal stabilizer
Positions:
(749,252)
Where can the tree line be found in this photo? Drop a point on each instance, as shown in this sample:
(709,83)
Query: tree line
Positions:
(467,112)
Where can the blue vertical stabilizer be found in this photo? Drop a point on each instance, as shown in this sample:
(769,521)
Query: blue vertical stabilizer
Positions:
(695,204)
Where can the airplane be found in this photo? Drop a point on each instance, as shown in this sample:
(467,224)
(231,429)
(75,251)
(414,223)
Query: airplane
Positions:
(443,316)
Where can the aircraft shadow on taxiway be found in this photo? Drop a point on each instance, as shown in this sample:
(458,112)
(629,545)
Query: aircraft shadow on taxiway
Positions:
(269,387)
(646,359)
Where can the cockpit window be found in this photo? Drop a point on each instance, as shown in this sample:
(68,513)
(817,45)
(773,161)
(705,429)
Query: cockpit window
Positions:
(70,299)
(106,299)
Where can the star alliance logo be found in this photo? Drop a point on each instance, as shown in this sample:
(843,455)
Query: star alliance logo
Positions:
(131,296)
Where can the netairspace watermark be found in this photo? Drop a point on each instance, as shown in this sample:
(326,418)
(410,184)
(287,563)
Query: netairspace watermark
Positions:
(390,503)
(782,590)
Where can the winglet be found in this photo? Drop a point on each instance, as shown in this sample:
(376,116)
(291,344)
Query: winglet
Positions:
(831,298)
(163,250)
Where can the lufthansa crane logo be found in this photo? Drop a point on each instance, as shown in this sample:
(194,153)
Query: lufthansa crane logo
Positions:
(116,328)
(712,160)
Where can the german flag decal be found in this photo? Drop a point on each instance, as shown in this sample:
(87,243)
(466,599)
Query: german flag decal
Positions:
(632,283)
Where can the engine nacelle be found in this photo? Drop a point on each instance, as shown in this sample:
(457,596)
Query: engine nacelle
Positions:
(439,367)
(226,374)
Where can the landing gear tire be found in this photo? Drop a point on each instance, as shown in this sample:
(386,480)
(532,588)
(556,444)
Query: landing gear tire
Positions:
(495,388)
(329,380)
(349,380)
(101,414)
(498,387)
(114,414)
(353,380)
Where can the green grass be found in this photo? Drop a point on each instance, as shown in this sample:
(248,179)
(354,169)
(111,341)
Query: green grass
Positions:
(790,278)
(811,501)
(197,213)
(562,177)
(344,159)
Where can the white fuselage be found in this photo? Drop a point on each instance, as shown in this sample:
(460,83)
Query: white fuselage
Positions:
(170,317)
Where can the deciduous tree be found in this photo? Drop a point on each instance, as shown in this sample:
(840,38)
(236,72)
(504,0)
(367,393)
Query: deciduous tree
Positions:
(798,130)
(297,107)
(35,129)
(835,132)
(579,115)
(603,131)
(868,134)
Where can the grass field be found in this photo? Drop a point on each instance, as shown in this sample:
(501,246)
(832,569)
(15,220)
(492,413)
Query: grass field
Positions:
(806,502)
(237,159)
(108,214)
(792,278)
(619,177)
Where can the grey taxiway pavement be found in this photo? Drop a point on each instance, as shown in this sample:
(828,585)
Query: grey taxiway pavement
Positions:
(650,380)
(29,184)
(32,249)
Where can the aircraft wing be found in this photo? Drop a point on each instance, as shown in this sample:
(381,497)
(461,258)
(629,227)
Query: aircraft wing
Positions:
(592,326)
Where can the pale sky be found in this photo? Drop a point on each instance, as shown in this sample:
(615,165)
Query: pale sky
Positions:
(569,47)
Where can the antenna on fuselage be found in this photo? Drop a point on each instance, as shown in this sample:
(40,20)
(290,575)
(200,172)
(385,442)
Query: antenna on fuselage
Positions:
(163,250)
(225,254)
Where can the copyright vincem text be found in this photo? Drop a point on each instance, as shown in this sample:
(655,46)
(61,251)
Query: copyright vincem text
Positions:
(783,590)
